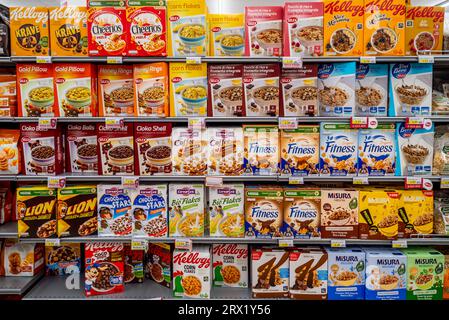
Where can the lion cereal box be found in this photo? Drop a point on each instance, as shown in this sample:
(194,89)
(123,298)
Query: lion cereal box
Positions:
(9,151)
(189,151)
(415,209)
(384,30)
(230,265)
(187,28)
(225,151)
(8,93)
(261,149)
(29,31)
(371,90)
(81,148)
(151,89)
(146,26)
(63,260)
(227,34)
(158,263)
(22,259)
(68,31)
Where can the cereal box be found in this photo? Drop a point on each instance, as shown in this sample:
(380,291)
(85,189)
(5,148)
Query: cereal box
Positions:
(36,210)
(158,261)
(415,209)
(230,265)
(377,151)
(75,89)
(81,148)
(343,27)
(410,89)
(186,210)
(441,150)
(29,31)
(227,34)
(146,26)
(264,210)
(63,260)
(192,273)
(187,30)
(150,211)
(22,259)
(371,90)
(152,142)
(414,151)
(308,274)
(300,150)
(336,86)
(425,275)
(106,26)
(115,91)
(423,29)
(269,272)
(346,274)
(133,259)
(6,203)
(303,29)
(35,92)
(378,216)
(384,29)
(263,31)
(114,210)
(338,150)
(9,151)
(261,89)
(68,31)
(445,252)
(226,211)
(225,151)
(340,213)
(189,151)
(302,213)
(225,90)
(104,268)
(8,93)
(261,149)
(151,89)
(299,91)
(4,31)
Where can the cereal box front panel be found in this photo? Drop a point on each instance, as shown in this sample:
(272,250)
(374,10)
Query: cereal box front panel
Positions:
(22,259)
(9,152)
(81,148)
(227,34)
(230,265)
(189,151)
(158,263)
(415,212)
(371,90)
(63,260)
(261,150)
(270,273)
(225,151)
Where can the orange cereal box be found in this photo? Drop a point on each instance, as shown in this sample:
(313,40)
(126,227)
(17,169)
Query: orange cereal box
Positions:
(384,30)
(68,31)
(29,31)
(151,89)
(343,27)
(423,29)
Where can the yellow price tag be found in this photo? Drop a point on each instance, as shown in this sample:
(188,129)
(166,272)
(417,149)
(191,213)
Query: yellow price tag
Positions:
(288,123)
(368,59)
(338,243)
(295,180)
(360,180)
(193,60)
(444,183)
(139,244)
(43,59)
(426,59)
(130,182)
(52,242)
(197,123)
(113,122)
(285,243)
(183,244)
(114,60)
(399,244)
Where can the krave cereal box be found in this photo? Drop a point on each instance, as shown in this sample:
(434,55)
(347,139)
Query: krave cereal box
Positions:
(230,265)
(226,35)
(371,90)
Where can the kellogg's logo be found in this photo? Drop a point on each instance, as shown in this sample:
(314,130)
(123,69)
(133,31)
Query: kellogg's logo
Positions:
(400,70)
(191,258)
(425,12)
(344,6)
(108,246)
(325,70)
(230,249)
(385,5)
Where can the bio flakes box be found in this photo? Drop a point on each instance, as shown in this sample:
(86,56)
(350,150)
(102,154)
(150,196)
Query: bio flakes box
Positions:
(227,34)
(230,265)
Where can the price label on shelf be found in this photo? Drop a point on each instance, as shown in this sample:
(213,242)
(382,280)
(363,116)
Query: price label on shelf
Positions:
(52,242)
(418,123)
(193,60)
(130,182)
(114,122)
(288,123)
(43,59)
(444,183)
(413,183)
(359,122)
(295,180)
(47,123)
(338,243)
(197,123)
(114,60)
(426,59)
(360,180)
(367,59)
(285,243)
(139,244)
(56,182)
(291,62)
(399,244)
(183,244)
(214,181)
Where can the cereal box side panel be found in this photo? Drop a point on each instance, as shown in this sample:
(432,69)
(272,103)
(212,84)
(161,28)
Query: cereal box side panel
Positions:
(227,34)
(371,90)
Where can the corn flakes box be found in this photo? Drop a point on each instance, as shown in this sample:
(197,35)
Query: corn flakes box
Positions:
(187,28)
(371,90)
(230,265)
(68,31)
(384,29)
(415,209)
(227,34)
(261,149)
(343,27)
(29,31)
(188,89)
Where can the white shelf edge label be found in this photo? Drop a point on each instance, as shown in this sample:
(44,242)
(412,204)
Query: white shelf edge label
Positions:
(43,59)
(413,183)
(52,242)
(113,122)
(360,180)
(368,59)
(47,123)
(139,244)
(214,181)
(114,60)
(444,183)
(285,243)
(399,244)
(131,182)
(183,244)
(197,123)
(288,123)
(359,122)
(295,180)
(291,62)
(338,243)
(193,60)
(56,182)
(426,59)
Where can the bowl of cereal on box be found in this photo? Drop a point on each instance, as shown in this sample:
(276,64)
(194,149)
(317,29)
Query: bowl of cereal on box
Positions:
(87,153)
(153,97)
(266,95)
(194,96)
(346,278)
(43,155)
(339,216)
(424,223)
(191,285)
(269,38)
(384,40)
(388,225)
(232,225)
(424,41)
(41,97)
(78,97)
(121,155)
(231,96)
(232,44)
(343,40)
(192,35)
(304,95)
(310,36)
(388,282)
(333,96)
(230,274)
(192,225)
(424,281)
(120,96)
(115,45)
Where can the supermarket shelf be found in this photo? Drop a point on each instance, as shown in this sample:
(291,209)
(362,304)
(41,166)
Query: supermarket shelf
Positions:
(8,230)
(17,285)
(350,179)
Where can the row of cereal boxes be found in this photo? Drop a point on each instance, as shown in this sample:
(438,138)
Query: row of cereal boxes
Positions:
(223,90)
(232,210)
(143,28)
(307,273)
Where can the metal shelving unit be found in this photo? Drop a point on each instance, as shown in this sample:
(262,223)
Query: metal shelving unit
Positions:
(17,285)
(8,230)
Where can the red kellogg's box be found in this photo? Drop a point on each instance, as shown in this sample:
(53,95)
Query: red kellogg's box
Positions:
(104,268)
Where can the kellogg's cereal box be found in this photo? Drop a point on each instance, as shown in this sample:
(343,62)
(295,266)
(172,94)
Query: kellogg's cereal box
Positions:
(225,151)
(227,34)
(189,151)
(343,27)
(371,90)
(261,149)
(415,210)
(158,260)
(81,148)
(230,265)
(134,265)
(29,31)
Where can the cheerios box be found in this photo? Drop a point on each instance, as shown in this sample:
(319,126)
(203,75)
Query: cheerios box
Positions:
(226,34)
(371,90)
(230,265)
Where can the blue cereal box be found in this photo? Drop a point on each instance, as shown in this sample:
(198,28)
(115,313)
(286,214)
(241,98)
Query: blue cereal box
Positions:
(371,90)
(377,151)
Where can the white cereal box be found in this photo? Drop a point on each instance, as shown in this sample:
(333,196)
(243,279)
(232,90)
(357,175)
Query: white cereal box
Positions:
(189,151)
(225,151)
(230,265)
(261,149)
(371,90)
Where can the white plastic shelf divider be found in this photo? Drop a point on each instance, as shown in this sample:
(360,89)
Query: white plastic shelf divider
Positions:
(17,285)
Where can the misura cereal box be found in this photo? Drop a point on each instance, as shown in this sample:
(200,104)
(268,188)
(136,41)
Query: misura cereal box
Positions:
(261,149)
(343,27)
(385,274)
(68,31)
(226,211)
(377,151)
(384,27)
(188,89)
(340,213)
(225,151)
(263,211)
(445,252)
(424,29)
(338,150)
(187,28)
(29,31)
(415,209)
(371,90)
(230,265)
(300,150)
(189,151)
(227,34)
(346,274)
(425,274)
(303,29)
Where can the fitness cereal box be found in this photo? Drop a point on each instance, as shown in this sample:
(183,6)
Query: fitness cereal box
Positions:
(230,265)
(227,34)
(261,149)
(225,151)
(415,209)
(81,148)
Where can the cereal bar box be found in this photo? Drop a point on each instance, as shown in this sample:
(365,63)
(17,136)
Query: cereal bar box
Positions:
(444,250)
(371,90)
(415,210)
(189,151)
(227,34)
(81,148)
(261,149)
(225,151)
(192,272)
(343,27)
(158,260)
(230,265)
(22,259)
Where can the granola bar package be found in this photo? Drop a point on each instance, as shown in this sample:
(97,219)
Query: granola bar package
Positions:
(371,90)
(63,260)
(230,265)
(134,260)
(441,151)
(158,263)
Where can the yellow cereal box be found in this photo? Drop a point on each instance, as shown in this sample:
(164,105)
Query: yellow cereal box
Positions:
(29,31)
(423,29)
(343,27)
(188,89)
(415,209)
(187,30)
(226,34)
(384,29)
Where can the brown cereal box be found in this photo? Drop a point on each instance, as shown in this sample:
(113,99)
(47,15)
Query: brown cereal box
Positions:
(230,265)
(225,151)
(134,263)
(22,259)
(81,148)
(63,260)
(415,212)
(158,259)
(189,153)
(8,93)
(261,149)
